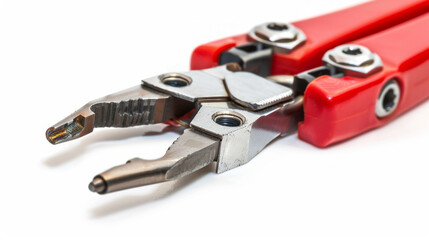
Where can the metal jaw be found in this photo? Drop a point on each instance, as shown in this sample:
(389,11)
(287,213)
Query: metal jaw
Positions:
(138,105)
(157,100)
(189,153)
(237,115)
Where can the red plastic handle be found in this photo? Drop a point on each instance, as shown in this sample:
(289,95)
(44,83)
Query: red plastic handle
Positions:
(323,33)
(337,109)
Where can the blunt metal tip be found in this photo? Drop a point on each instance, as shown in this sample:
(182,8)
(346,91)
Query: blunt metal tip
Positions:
(192,151)
(97,185)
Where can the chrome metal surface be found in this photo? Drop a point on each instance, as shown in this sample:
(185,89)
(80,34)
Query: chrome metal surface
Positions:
(200,85)
(138,105)
(388,99)
(354,60)
(192,151)
(241,142)
(223,70)
(255,92)
(284,37)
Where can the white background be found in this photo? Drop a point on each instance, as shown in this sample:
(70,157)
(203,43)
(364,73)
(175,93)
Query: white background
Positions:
(57,55)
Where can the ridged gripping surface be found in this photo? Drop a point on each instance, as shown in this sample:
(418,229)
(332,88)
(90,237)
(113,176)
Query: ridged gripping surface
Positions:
(125,113)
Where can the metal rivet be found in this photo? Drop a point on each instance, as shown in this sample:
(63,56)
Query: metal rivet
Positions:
(388,99)
(228,119)
(175,79)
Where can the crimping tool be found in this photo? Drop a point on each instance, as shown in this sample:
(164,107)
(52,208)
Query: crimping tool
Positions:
(329,78)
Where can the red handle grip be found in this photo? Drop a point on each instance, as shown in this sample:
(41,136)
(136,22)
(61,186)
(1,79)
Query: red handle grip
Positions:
(323,33)
(337,109)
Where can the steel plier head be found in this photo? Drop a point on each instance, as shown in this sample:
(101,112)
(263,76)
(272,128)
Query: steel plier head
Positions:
(233,121)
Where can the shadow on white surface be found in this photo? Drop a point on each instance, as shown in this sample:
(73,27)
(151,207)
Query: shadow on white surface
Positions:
(116,134)
(162,191)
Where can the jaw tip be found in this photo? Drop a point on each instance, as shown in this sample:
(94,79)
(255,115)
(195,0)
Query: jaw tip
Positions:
(97,185)
(67,131)
(49,135)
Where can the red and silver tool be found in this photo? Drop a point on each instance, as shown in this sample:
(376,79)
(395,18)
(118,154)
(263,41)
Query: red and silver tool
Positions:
(331,78)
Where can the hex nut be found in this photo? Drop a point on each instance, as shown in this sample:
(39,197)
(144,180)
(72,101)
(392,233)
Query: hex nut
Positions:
(283,36)
(355,60)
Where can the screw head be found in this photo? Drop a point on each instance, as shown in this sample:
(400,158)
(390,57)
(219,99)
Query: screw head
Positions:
(352,55)
(355,59)
(282,36)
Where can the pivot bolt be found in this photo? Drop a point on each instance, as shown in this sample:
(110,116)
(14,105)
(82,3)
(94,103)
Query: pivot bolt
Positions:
(354,59)
(284,37)
(388,99)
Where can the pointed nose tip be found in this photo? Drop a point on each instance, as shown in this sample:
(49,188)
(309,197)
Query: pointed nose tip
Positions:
(97,185)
